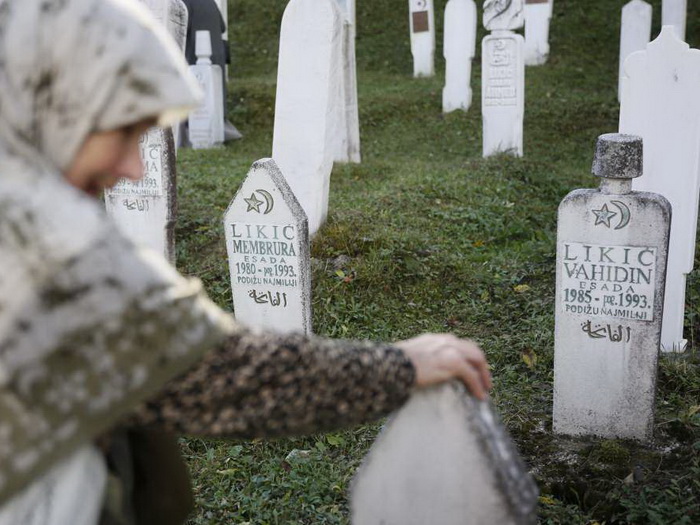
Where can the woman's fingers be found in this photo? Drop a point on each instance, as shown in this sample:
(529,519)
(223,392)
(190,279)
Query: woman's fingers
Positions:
(442,357)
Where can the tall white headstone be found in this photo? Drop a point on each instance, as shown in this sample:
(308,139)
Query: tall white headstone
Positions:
(635,33)
(503,78)
(538,14)
(444,459)
(349,118)
(673,13)
(661,103)
(308,85)
(145,210)
(267,239)
(206,123)
(422,25)
(611,261)
(459,49)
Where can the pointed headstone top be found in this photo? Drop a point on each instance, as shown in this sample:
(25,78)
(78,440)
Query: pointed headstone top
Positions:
(267,239)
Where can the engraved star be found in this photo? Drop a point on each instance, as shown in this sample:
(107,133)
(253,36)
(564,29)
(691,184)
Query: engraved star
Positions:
(603,216)
(254,203)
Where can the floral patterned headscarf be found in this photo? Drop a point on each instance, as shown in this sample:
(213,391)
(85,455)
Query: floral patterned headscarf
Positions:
(89,323)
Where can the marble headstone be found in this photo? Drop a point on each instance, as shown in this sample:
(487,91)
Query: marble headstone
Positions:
(348,110)
(267,240)
(502,15)
(145,210)
(459,48)
(422,26)
(674,13)
(306,107)
(611,263)
(503,93)
(538,14)
(206,123)
(635,33)
(661,103)
(444,459)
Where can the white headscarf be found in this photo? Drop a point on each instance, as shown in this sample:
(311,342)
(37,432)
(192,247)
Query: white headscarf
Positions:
(89,323)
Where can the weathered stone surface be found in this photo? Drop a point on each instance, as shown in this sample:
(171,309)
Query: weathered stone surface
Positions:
(422,26)
(146,210)
(503,93)
(503,14)
(348,145)
(611,262)
(177,22)
(443,459)
(267,240)
(206,123)
(673,13)
(459,48)
(635,33)
(661,103)
(308,92)
(538,14)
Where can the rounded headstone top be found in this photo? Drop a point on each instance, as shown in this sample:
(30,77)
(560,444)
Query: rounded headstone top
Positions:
(618,156)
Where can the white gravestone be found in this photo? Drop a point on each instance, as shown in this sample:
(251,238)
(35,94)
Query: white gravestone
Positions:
(444,459)
(611,262)
(306,106)
(538,14)
(673,13)
(635,33)
(348,109)
(145,210)
(179,17)
(206,123)
(503,78)
(223,7)
(421,21)
(267,240)
(661,103)
(503,93)
(459,49)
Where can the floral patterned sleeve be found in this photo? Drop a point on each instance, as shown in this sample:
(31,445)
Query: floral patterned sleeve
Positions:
(264,385)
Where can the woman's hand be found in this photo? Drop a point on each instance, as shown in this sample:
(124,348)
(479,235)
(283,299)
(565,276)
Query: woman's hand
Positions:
(441,357)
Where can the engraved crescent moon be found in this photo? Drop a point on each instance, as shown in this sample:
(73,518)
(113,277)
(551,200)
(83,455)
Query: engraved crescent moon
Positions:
(421,4)
(269,201)
(624,214)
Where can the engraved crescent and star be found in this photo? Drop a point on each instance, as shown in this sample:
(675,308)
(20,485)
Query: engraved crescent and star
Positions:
(254,204)
(604,215)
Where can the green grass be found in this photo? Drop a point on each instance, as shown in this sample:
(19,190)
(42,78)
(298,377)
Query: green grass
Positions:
(436,238)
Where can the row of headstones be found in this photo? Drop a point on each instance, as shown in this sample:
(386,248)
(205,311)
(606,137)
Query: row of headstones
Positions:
(460,36)
(145,210)
(267,237)
(622,263)
(635,27)
(317,87)
(423,466)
